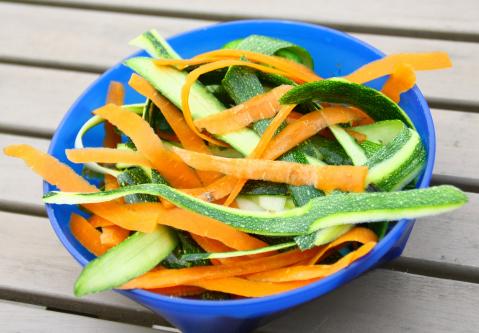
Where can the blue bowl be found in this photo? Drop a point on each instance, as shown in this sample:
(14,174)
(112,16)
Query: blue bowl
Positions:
(335,54)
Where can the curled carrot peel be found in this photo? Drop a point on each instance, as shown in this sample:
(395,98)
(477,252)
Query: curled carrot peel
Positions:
(87,235)
(401,80)
(304,73)
(358,234)
(175,119)
(107,155)
(387,65)
(259,107)
(195,74)
(309,272)
(327,178)
(248,288)
(200,225)
(212,246)
(177,173)
(178,291)
(260,148)
(63,177)
(185,276)
(307,126)
(113,235)
(98,222)
(115,95)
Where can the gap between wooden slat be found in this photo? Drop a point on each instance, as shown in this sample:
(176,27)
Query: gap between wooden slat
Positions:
(377,30)
(430,268)
(142,318)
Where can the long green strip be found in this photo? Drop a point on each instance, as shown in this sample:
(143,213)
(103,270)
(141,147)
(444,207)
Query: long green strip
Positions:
(222,255)
(319,213)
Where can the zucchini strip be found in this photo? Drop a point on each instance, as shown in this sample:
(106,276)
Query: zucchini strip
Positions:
(319,213)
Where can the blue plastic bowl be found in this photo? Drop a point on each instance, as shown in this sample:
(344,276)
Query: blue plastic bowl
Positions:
(335,54)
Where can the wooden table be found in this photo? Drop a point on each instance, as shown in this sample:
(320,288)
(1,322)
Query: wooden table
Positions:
(51,50)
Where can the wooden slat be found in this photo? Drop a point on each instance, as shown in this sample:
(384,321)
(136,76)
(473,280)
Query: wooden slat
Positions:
(16,317)
(36,268)
(37,265)
(35,99)
(100,40)
(436,18)
(385,301)
(454,132)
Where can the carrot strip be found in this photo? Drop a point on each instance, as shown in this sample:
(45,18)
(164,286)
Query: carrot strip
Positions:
(358,234)
(259,107)
(248,288)
(178,291)
(149,144)
(261,147)
(175,119)
(214,191)
(107,155)
(175,277)
(115,95)
(288,66)
(63,177)
(327,178)
(386,65)
(401,80)
(200,225)
(167,136)
(307,126)
(293,116)
(113,235)
(360,137)
(87,235)
(308,272)
(98,222)
(195,74)
(212,245)
(110,183)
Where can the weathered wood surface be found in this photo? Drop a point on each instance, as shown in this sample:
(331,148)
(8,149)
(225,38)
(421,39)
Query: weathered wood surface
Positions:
(18,318)
(381,297)
(385,301)
(62,50)
(96,40)
(425,18)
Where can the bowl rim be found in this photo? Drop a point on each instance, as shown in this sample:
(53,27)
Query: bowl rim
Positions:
(381,249)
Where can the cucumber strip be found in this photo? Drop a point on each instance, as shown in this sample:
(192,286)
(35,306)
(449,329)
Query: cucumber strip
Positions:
(133,257)
(169,82)
(322,236)
(92,122)
(331,151)
(152,42)
(370,148)
(222,255)
(388,166)
(260,187)
(336,90)
(318,213)
(381,132)
(247,204)
(354,151)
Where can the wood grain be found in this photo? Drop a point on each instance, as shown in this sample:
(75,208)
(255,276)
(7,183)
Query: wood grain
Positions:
(436,18)
(386,301)
(16,317)
(86,38)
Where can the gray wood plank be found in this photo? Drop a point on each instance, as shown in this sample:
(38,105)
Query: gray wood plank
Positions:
(428,16)
(101,40)
(386,301)
(381,300)
(36,268)
(17,318)
(50,94)
(454,132)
